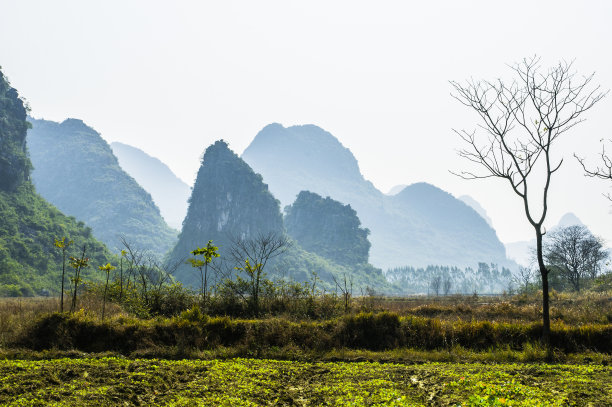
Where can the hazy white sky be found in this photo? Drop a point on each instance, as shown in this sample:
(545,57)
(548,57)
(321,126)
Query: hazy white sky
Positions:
(171,77)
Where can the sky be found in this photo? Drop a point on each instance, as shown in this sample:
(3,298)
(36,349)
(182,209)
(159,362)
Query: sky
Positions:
(172,77)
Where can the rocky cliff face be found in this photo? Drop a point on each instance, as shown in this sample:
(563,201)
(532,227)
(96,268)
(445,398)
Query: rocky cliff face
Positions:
(327,228)
(14,163)
(410,228)
(75,169)
(228,201)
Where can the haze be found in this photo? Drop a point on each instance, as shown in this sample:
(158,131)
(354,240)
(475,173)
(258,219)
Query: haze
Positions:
(171,78)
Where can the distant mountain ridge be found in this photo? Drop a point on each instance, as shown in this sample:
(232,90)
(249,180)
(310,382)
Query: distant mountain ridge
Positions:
(419,226)
(76,170)
(29,262)
(169,192)
(229,201)
(477,207)
(396,189)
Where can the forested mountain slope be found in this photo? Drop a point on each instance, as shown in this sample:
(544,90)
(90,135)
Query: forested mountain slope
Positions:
(75,169)
(29,262)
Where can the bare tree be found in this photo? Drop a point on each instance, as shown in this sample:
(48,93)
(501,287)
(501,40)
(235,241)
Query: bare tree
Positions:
(524,277)
(602,171)
(522,120)
(575,253)
(253,254)
(446,285)
(145,270)
(346,290)
(436,283)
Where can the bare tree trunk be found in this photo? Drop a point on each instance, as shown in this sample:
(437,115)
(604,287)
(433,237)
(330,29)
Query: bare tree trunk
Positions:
(121,280)
(105,291)
(63,279)
(545,295)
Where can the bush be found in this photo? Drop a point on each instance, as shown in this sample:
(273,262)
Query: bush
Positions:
(371,331)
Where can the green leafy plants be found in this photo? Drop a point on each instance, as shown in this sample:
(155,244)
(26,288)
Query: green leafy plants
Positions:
(63,245)
(106,268)
(208,253)
(78,264)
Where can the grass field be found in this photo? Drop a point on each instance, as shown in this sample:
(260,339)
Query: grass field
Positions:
(455,351)
(255,382)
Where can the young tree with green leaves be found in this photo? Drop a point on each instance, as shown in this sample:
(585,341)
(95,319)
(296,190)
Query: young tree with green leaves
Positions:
(77,264)
(63,245)
(209,252)
(107,268)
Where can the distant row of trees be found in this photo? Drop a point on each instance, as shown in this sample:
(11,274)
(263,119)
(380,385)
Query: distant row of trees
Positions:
(487,278)
(573,256)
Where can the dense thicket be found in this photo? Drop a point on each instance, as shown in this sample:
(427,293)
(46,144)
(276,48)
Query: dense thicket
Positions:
(29,262)
(75,169)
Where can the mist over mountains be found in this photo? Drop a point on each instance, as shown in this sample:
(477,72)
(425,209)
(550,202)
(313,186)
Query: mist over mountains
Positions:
(76,170)
(419,226)
(169,192)
(231,202)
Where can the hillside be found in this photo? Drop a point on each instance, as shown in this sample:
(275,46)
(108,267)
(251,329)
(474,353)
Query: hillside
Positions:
(327,228)
(230,200)
(75,169)
(169,192)
(29,262)
(410,228)
(477,207)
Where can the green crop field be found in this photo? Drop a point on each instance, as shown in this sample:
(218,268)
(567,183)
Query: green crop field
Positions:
(254,382)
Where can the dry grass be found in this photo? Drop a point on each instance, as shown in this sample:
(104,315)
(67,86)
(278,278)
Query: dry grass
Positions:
(17,314)
(570,308)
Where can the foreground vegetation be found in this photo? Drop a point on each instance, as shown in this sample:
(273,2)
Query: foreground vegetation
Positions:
(309,324)
(306,350)
(249,382)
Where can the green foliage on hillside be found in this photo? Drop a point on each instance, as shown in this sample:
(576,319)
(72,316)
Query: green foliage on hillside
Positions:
(328,228)
(75,169)
(300,265)
(29,262)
